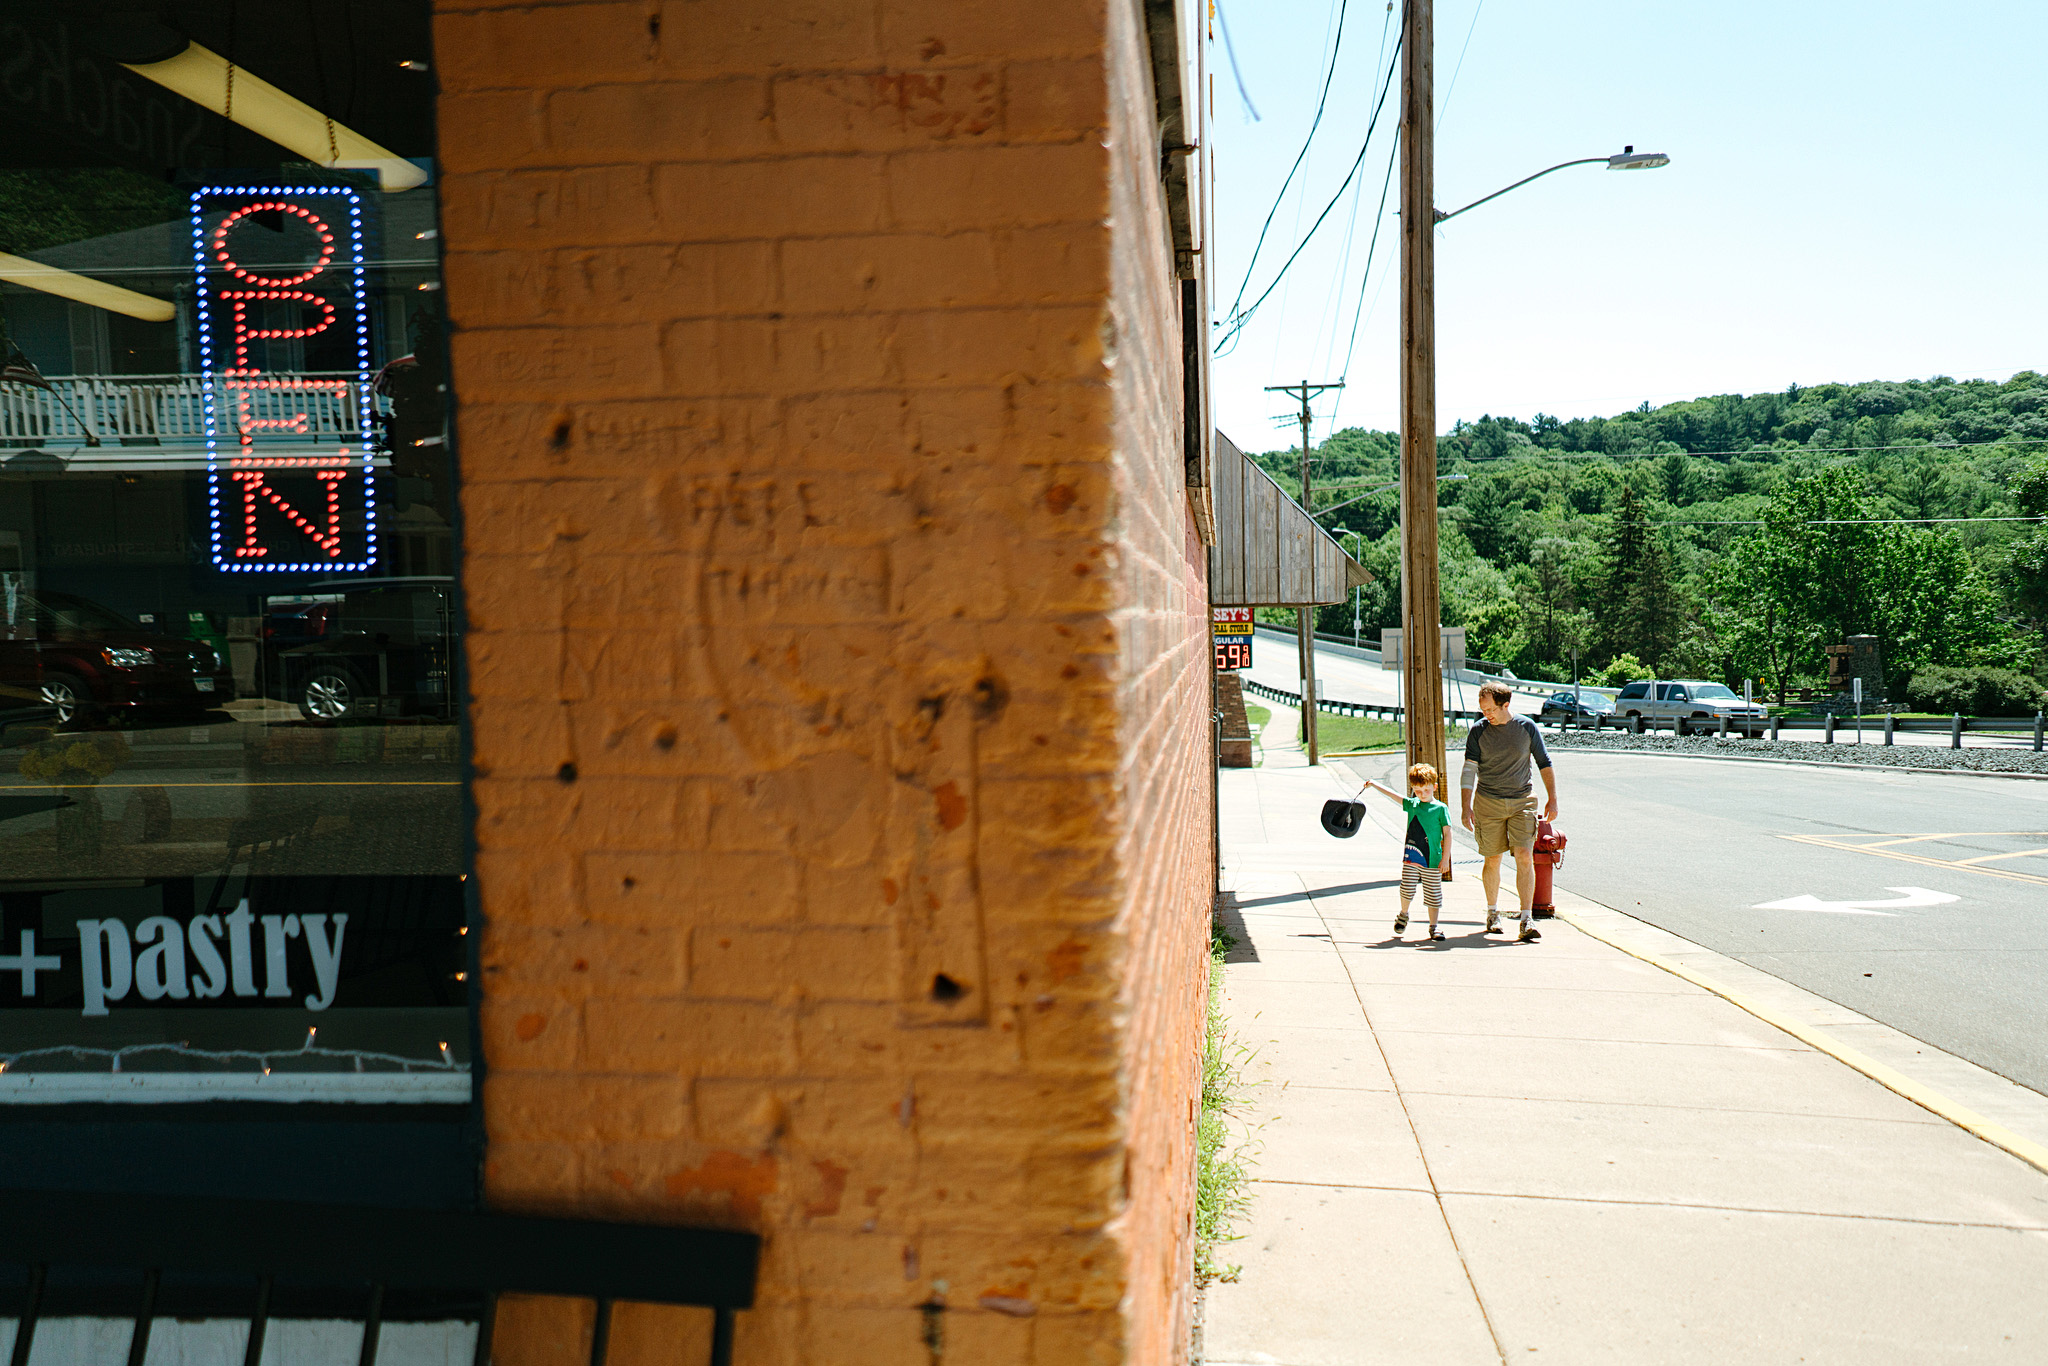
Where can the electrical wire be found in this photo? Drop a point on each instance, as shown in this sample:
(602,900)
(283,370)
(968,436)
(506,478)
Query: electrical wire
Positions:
(1230,51)
(1239,319)
(1358,313)
(1322,101)
(1445,107)
(1780,451)
(1847,521)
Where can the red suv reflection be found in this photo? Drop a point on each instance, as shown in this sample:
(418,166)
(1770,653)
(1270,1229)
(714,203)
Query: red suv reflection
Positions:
(88,662)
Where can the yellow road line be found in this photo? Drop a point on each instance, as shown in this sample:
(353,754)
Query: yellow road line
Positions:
(1988,858)
(1903,857)
(1890,840)
(1926,1097)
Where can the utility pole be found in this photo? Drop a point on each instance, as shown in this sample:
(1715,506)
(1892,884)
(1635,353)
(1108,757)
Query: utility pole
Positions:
(1304,617)
(1422,683)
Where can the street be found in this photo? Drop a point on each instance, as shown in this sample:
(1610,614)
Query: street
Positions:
(1702,847)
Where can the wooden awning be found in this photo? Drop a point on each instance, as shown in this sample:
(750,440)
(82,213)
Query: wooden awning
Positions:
(1268,553)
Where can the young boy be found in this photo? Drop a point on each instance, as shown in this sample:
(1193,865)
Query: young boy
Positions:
(1426,853)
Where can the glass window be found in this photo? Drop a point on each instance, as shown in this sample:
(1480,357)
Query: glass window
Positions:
(1635,690)
(231,812)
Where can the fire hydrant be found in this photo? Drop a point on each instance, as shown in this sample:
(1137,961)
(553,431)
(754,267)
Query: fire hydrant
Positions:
(1550,844)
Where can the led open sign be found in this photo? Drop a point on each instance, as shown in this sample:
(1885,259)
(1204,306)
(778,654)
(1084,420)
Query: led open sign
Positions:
(288,454)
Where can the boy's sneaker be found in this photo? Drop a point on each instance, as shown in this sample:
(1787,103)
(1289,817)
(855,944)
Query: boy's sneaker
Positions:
(1493,922)
(1401,923)
(1528,935)
(1436,936)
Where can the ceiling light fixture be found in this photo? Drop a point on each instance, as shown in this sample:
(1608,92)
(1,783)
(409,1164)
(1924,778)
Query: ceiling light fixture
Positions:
(203,77)
(19,270)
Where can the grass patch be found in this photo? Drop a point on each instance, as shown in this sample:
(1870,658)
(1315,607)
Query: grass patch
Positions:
(1351,734)
(1222,1179)
(1257,715)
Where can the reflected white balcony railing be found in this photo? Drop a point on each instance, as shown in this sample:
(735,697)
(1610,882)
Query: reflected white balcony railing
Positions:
(170,410)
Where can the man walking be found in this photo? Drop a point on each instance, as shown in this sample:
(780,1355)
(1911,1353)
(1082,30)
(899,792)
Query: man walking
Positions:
(1498,804)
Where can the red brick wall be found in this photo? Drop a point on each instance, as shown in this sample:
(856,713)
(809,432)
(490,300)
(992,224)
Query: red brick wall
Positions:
(837,650)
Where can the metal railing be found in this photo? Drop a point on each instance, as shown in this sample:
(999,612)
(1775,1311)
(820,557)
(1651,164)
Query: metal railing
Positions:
(1954,726)
(1332,707)
(152,1257)
(171,409)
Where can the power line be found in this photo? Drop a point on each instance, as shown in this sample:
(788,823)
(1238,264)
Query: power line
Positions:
(1321,101)
(1445,107)
(1351,346)
(1846,521)
(1239,319)
(1230,51)
(1757,450)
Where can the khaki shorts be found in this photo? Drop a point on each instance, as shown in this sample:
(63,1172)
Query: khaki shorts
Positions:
(1498,822)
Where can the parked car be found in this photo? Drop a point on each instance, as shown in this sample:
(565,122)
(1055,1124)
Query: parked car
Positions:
(87,662)
(371,648)
(1690,704)
(1578,708)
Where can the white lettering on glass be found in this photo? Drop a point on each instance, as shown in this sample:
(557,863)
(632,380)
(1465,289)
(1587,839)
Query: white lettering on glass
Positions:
(326,957)
(106,963)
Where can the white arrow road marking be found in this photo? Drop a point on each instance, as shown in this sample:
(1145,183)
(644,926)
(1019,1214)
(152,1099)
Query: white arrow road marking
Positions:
(1910,896)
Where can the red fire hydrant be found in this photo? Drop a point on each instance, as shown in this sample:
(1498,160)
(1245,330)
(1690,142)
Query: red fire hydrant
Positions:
(1549,853)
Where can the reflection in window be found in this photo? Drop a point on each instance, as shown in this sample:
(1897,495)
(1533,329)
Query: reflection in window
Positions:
(230,801)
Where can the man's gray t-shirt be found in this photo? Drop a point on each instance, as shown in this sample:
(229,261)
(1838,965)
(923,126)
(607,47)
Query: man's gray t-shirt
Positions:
(1503,753)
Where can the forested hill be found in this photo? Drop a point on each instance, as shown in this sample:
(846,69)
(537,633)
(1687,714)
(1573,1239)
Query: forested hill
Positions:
(1757,528)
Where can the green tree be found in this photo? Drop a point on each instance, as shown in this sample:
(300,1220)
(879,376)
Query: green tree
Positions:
(1642,609)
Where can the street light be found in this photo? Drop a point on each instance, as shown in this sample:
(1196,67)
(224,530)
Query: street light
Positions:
(1447,479)
(1628,159)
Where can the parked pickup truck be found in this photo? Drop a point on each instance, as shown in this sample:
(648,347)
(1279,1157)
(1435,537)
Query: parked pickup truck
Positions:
(1689,702)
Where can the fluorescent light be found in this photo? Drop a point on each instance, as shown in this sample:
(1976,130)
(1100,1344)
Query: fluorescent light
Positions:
(202,76)
(49,279)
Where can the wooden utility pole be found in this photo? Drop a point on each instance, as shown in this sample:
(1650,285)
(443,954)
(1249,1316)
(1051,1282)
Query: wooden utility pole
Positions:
(1304,617)
(1422,683)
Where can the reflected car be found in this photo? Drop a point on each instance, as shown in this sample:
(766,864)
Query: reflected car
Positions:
(371,648)
(92,664)
(1579,709)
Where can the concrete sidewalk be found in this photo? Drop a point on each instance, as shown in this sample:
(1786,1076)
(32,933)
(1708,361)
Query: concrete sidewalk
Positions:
(1484,1151)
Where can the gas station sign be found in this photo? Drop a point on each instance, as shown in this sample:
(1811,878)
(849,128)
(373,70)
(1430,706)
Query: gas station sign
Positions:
(1232,629)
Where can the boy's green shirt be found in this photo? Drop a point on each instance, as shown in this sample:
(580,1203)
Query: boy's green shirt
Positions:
(1427,822)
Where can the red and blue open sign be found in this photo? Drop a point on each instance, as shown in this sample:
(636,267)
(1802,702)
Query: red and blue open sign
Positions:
(289,455)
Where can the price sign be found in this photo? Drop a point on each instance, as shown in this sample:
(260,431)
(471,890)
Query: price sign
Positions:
(1233,652)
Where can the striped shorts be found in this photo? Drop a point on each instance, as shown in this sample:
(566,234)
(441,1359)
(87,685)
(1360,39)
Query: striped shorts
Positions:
(1432,880)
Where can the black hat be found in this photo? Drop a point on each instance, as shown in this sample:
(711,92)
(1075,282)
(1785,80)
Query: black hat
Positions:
(1341,818)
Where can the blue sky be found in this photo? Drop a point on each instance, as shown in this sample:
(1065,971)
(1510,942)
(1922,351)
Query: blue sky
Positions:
(1856,191)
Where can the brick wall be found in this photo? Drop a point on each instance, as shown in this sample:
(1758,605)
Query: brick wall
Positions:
(837,642)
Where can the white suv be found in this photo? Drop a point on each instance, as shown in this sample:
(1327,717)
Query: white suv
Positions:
(1690,703)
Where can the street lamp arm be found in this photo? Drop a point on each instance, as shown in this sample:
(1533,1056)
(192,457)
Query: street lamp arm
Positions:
(1441,216)
(1447,479)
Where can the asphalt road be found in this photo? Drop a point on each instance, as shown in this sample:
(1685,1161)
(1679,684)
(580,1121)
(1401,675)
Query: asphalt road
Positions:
(1701,846)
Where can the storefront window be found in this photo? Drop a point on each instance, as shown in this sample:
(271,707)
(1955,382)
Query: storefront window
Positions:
(231,803)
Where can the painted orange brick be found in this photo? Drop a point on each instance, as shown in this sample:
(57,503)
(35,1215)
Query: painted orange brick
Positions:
(579,1108)
(663,1037)
(833,606)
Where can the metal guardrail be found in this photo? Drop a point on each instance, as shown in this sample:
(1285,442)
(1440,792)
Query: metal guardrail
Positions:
(1332,707)
(1955,727)
(152,1257)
